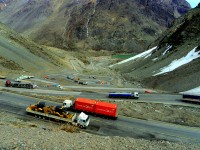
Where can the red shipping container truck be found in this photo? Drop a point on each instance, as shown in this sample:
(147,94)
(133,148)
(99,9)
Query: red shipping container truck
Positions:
(85,104)
(107,109)
(97,107)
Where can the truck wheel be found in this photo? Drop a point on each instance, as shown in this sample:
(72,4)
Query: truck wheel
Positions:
(81,126)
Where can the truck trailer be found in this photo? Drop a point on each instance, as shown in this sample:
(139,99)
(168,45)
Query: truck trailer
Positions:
(58,113)
(134,95)
(20,85)
(191,97)
(92,106)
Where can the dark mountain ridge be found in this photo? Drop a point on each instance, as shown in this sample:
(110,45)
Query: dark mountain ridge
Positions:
(119,25)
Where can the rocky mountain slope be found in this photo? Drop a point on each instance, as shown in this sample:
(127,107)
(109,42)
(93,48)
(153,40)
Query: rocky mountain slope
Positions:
(122,25)
(174,64)
(20,54)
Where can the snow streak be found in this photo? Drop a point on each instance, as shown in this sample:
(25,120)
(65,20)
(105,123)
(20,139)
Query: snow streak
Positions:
(141,55)
(180,62)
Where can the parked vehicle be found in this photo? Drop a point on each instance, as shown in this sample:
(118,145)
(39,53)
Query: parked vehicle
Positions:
(76,79)
(134,95)
(58,113)
(70,77)
(46,77)
(82,82)
(23,77)
(20,85)
(92,106)
(93,77)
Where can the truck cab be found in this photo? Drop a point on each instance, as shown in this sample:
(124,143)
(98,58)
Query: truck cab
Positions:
(68,104)
(83,120)
(136,95)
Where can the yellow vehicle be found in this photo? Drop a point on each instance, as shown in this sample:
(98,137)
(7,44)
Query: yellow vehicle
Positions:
(76,79)
(58,113)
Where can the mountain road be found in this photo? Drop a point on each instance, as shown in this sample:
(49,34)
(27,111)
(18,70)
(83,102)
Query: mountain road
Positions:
(123,126)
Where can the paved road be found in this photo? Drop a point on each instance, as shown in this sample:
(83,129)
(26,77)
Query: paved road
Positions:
(123,126)
(172,99)
(105,89)
(41,91)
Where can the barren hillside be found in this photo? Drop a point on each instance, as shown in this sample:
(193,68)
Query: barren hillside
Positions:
(174,64)
(19,54)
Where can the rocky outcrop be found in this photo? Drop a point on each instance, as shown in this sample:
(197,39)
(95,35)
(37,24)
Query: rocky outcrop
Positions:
(165,11)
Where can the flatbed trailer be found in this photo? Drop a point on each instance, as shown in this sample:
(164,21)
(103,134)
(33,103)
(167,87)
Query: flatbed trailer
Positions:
(49,116)
(82,120)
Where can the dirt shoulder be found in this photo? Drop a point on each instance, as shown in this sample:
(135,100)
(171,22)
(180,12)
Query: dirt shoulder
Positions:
(22,135)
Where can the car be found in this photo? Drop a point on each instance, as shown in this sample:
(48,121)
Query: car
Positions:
(85,83)
(93,77)
(46,77)
(82,82)
(70,77)
(29,77)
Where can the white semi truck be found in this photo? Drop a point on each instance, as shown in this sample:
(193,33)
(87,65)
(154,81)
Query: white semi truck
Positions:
(58,113)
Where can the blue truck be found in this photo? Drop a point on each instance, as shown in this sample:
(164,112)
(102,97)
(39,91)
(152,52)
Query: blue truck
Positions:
(134,95)
(191,97)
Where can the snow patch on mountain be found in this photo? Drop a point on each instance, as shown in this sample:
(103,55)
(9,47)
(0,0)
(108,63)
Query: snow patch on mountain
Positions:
(193,91)
(167,50)
(193,54)
(141,55)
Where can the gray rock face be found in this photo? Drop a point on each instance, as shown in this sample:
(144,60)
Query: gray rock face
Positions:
(165,11)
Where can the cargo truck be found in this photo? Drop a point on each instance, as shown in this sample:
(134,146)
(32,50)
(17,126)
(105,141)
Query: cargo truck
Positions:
(58,113)
(96,107)
(191,97)
(134,95)
(20,85)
